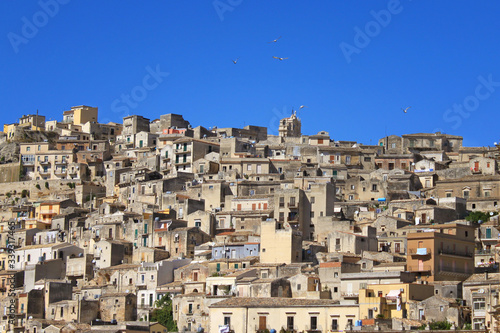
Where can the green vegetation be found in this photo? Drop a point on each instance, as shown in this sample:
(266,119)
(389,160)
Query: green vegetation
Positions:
(440,325)
(38,186)
(479,216)
(163,313)
(25,193)
(47,185)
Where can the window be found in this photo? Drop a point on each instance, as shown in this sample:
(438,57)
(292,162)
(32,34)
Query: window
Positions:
(466,194)
(335,325)
(352,187)
(479,303)
(314,323)
(374,187)
(313,200)
(227,320)
(289,323)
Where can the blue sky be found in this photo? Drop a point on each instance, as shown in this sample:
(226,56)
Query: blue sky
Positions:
(355,64)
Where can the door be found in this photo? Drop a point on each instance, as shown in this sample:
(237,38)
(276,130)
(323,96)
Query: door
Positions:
(420,265)
(424,218)
(397,247)
(262,323)
(421,314)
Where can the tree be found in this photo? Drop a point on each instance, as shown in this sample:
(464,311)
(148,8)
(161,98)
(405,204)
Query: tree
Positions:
(479,216)
(163,313)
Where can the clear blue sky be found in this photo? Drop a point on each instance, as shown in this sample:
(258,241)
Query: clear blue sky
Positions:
(353,72)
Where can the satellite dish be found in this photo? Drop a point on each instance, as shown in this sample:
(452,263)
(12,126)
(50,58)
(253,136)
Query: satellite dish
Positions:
(491,213)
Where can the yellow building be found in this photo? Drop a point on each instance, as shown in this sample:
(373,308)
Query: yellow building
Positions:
(390,300)
(79,115)
(9,130)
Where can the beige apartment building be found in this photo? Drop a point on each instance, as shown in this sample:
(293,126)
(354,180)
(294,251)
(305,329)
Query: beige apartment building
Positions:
(441,252)
(249,315)
(279,243)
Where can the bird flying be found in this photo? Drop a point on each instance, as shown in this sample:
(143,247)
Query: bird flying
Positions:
(404,110)
(274,40)
(235,61)
(280,59)
(302,106)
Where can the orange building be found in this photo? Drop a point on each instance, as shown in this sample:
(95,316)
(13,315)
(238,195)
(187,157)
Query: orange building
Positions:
(441,252)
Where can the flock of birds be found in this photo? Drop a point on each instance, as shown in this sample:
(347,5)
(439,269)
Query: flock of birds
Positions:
(284,58)
(273,41)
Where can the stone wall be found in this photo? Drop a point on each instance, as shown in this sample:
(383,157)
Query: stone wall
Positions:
(9,172)
(55,186)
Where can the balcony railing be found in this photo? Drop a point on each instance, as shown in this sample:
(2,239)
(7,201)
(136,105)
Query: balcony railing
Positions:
(292,205)
(419,251)
(485,252)
(456,253)
(424,268)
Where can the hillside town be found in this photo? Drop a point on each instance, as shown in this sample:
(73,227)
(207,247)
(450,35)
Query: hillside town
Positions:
(115,227)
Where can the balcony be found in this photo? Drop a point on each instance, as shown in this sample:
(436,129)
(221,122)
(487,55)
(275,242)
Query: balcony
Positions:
(45,172)
(455,253)
(48,212)
(44,162)
(350,295)
(60,172)
(484,252)
(144,306)
(183,149)
(424,268)
(420,252)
